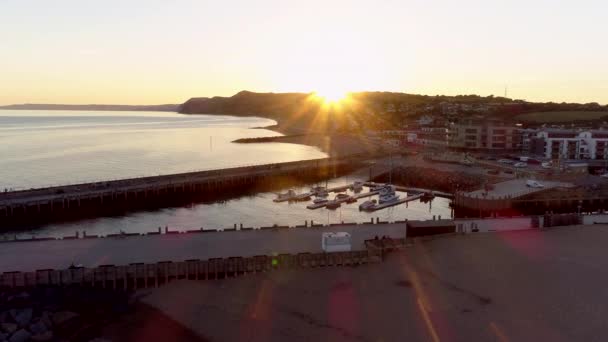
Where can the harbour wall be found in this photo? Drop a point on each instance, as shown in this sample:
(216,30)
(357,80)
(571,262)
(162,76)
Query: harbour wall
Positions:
(62,203)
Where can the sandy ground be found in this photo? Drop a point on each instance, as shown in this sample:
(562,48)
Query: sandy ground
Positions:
(514,286)
(28,256)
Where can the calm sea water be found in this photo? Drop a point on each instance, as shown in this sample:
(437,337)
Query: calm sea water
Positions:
(41,148)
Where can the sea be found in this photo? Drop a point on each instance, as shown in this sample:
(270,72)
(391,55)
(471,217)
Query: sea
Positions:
(47,148)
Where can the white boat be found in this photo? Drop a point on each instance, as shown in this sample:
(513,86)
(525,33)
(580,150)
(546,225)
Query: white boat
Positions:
(319,200)
(286,196)
(367,205)
(357,186)
(389,198)
(387,190)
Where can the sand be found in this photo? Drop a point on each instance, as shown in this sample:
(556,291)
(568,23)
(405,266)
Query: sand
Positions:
(515,286)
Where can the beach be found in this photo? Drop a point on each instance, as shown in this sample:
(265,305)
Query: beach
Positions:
(515,286)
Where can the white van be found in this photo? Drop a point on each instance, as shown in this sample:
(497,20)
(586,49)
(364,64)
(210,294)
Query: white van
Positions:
(335,242)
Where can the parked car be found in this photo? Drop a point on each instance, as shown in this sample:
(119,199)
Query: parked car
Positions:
(505,161)
(520,165)
(534,184)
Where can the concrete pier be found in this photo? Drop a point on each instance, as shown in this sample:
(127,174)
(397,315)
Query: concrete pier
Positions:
(111,197)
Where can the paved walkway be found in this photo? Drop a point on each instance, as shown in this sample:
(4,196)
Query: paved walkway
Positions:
(515,188)
(59,254)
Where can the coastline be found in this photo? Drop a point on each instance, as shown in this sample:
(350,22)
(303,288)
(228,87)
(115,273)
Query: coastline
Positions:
(334,145)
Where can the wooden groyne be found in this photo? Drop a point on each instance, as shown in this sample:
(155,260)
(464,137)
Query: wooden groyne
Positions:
(142,275)
(115,197)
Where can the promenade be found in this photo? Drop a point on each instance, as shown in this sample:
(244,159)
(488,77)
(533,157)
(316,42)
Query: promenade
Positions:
(27,256)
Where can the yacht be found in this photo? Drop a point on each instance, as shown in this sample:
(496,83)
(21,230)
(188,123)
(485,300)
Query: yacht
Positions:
(368,205)
(387,190)
(333,204)
(341,197)
(286,196)
(377,187)
(427,196)
(319,200)
(390,197)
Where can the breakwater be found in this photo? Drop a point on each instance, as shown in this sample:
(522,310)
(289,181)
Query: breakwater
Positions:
(59,203)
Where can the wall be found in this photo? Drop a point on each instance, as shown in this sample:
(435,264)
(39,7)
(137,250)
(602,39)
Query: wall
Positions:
(494,224)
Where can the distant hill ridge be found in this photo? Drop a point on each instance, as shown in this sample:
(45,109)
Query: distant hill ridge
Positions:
(301,111)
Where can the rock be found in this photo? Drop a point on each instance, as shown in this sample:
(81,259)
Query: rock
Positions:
(24,317)
(8,327)
(38,328)
(3,336)
(46,336)
(63,316)
(4,316)
(21,335)
(46,319)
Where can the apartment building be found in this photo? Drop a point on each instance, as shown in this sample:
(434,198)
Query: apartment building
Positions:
(484,134)
(570,144)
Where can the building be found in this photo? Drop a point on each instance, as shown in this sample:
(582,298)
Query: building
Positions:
(484,134)
(571,144)
(432,136)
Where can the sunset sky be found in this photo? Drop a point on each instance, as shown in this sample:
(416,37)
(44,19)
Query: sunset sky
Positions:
(153,51)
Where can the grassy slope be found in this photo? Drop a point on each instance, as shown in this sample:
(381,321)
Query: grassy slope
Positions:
(548,117)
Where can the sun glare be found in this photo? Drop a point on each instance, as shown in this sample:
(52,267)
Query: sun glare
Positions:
(331,96)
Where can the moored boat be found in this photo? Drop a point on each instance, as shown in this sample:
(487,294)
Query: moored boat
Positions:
(368,205)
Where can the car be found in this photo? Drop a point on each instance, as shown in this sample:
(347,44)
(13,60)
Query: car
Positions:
(534,184)
(520,165)
(493,172)
(505,161)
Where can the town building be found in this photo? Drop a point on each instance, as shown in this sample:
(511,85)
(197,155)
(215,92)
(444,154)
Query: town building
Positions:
(565,144)
(432,136)
(484,134)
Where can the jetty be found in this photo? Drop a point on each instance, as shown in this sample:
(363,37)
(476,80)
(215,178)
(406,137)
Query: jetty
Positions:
(108,197)
(356,197)
(394,203)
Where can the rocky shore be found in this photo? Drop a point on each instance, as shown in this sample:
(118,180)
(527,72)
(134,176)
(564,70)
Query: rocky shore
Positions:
(58,313)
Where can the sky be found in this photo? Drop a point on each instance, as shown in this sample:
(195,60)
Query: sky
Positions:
(153,52)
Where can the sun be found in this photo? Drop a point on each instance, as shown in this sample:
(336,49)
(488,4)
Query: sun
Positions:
(331,96)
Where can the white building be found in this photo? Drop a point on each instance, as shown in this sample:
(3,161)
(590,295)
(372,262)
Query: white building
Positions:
(571,144)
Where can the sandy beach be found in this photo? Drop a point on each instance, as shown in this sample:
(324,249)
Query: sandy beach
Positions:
(516,286)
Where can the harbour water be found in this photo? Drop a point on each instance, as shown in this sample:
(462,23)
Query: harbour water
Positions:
(49,147)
